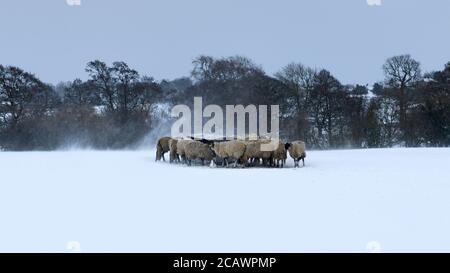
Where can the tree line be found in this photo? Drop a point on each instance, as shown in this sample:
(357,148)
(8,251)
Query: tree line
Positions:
(117,107)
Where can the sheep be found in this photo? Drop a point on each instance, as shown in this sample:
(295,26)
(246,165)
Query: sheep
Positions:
(279,156)
(173,150)
(162,147)
(230,150)
(297,151)
(198,150)
(181,144)
(254,152)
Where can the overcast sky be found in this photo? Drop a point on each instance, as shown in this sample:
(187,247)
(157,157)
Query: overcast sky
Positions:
(161,37)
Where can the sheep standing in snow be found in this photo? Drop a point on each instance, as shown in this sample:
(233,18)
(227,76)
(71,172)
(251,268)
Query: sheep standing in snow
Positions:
(230,150)
(255,153)
(173,150)
(181,144)
(198,150)
(279,156)
(162,147)
(297,150)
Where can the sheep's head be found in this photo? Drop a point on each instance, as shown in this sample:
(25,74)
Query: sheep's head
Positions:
(211,147)
(210,153)
(207,141)
(214,147)
(287,145)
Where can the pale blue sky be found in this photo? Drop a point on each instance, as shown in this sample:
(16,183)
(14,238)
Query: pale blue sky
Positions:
(161,37)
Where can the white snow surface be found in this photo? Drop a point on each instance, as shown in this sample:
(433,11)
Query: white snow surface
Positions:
(342,201)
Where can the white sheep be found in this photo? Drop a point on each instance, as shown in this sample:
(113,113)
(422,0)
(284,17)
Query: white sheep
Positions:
(297,150)
(181,144)
(173,150)
(162,147)
(279,155)
(255,152)
(198,150)
(233,149)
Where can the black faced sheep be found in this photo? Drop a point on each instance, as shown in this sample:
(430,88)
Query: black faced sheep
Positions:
(297,150)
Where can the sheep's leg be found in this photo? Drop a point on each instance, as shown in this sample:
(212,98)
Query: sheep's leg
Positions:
(163,157)
(203,161)
(303,160)
(235,164)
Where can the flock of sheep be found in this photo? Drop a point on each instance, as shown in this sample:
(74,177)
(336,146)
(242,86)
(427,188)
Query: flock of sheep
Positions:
(243,153)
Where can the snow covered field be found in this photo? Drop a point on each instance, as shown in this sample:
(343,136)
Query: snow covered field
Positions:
(398,199)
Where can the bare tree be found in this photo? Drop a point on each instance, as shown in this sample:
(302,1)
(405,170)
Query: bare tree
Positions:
(402,72)
(102,77)
(300,81)
(19,94)
(126,79)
